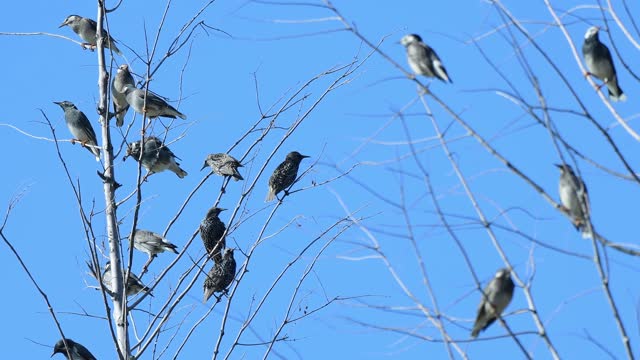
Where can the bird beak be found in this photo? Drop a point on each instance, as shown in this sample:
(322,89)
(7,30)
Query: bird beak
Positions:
(221,210)
(559,166)
(57,102)
(305,156)
(54,352)
(63,24)
(204,166)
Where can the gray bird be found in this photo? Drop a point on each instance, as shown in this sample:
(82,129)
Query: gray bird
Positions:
(133,286)
(212,230)
(86,29)
(574,197)
(223,165)
(152,243)
(284,175)
(76,350)
(122,79)
(154,107)
(80,127)
(422,59)
(600,63)
(220,276)
(156,156)
(497,296)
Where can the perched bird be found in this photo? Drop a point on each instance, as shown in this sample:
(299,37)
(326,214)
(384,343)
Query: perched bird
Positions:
(133,286)
(223,165)
(284,175)
(600,63)
(422,59)
(574,198)
(156,156)
(76,350)
(86,29)
(497,296)
(151,243)
(221,275)
(122,79)
(212,230)
(154,107)
(80,127)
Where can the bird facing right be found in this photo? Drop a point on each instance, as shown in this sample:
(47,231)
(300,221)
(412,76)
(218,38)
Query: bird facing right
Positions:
(422,59)
(600,63)
(212,230)
(87,29)
(221,275)
(77,351)
(224,165)
(80,127)
(156,156)
(284,175)
(152,243)
(574,197)
(154,107)
(122,79)
(497,296)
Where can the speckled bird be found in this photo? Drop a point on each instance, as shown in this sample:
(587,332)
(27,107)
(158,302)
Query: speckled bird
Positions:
(122,79)
(600,63)
(497,296)
(77,351)
(154,107)
(152,243)
(224,165)
(87,29)
(80,127)
(422,59)
(574,197)
(284,175)
(156,157)
(212,230)
(221,275)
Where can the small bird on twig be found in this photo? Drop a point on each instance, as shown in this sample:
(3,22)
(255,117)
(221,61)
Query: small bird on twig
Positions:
(122,79)
(600,63)
(87,30)
(156,156)
(574,198)
(224,165)
(212,230)
(497,296)
(422,59)
(80,127)
(221,275)
(152,243)
(76,350)
(154,107)
(284,175)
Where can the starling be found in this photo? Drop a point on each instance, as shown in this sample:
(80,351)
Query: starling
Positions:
(154,107)
(497,296)
(284,175)
(600,63)
(134,285)
(574,198)
(156,157)
(80,127)
(221,275)
(422,59)
(86,29)
(77,351)
(152,243)
(212,230)
(223,165)
(121,106)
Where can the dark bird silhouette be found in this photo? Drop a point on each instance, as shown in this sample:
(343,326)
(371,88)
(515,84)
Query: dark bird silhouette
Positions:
(221,275)
(284,175)
(212,230)
(497,296)
(77,351)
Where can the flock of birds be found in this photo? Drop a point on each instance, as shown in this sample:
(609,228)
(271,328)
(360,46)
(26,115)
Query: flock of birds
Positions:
(156,157)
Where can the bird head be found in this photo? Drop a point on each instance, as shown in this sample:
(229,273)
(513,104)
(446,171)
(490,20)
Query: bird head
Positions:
(214,212)
(410,39)
(592,32)
(503,273)
(133,149)
(65,104)
(59,347)
(296,156)
(564,168)
(70,19)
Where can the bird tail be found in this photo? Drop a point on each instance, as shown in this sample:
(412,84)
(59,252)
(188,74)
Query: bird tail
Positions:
(615,92)
(237,176)
(207,294)
(175,167)
(271,194)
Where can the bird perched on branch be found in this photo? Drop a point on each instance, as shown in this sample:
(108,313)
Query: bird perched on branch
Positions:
(156,156)
(212,230)
(76,350)
(134,284)
(154,107)
(574,198)
(224,165)
(152,243)
(80,127)
(221,275)
(600,63)
(496,297)
(87,30)
(284,175)
(122,79)
(422,59)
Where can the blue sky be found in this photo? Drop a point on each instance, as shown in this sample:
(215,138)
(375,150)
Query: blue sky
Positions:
(356,124)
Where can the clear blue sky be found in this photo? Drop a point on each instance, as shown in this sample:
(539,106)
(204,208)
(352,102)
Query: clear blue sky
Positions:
(219,97)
